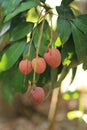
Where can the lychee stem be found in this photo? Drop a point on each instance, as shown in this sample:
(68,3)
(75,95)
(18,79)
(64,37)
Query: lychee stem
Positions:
(50,36)
(38,46)
(31,43)
(33,34)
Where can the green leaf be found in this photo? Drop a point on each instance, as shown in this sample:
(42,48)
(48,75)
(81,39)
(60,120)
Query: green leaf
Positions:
(20,31)
(74,70)
(83,18)
(80,43)
(20,82)
(44,78)
(32,51)
(45,38)
(85,63)
(21,8)
(66,2)
(12,82)
(58,43)
(33,14)
(9,5)
(6,79)
(8,95)
(4,40)
(65,12)
(4,28)
(68,52)
(80,25)
(64,29)
(43,1)
(11,55)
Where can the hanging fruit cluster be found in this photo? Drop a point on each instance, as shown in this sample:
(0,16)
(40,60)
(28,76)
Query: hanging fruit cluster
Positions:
(38,64)
(52,57)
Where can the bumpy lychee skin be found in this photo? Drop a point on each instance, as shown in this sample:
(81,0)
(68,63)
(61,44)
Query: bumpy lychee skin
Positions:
(25,66)
(40,65)
(53,57)
(37,95)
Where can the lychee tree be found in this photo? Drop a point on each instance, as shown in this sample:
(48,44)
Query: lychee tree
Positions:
(34,52)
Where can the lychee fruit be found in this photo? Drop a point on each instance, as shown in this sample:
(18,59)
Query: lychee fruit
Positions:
(25,66)
(37,95)
(39,65)
(53,57)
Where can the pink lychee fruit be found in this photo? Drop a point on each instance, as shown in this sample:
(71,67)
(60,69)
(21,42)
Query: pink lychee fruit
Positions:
(39,65)
(53,57)
(37,95)
(25,66)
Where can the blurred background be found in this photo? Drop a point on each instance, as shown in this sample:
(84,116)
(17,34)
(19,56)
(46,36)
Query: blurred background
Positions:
(72,108)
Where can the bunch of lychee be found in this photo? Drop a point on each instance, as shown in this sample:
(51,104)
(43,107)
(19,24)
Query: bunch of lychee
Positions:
(52,57)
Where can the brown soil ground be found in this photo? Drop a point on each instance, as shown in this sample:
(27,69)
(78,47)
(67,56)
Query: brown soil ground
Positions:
(25,116)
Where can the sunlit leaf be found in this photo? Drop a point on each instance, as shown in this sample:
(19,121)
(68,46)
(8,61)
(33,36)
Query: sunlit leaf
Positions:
(68,52)
(74,114)
(66,96)
(11,55)
(33,14)
(58,42)
(71,95)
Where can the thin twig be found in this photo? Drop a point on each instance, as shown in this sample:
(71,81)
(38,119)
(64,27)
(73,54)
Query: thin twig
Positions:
(38,46)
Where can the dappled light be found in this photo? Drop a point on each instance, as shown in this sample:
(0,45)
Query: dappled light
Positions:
(3,62)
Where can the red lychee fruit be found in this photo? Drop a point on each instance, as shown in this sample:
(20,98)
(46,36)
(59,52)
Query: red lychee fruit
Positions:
(25,66)
(53,57)
(37,95)
(39,65)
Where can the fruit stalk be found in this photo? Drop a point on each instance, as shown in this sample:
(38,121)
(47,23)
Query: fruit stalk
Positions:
(33,34)
(38,46)
(50,36)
